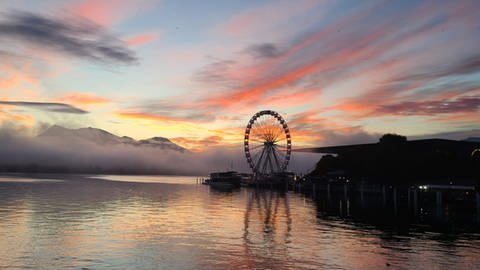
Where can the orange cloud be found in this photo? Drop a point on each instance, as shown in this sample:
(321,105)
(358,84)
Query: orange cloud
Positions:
(199,144)
(82,99)
(141,39)
(256,92)
(26,120)
(292,99)
(16,74)
(151,117)
(326,62)
(353,107)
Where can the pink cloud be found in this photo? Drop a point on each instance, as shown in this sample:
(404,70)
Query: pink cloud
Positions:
(108,12)
(260,19)
(141,39)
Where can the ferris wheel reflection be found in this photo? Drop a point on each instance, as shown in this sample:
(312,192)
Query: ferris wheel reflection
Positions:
(267,223)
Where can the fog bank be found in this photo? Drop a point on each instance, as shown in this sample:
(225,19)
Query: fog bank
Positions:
(21,153)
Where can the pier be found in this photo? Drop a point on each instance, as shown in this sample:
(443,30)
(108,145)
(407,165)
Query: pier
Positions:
(433,200)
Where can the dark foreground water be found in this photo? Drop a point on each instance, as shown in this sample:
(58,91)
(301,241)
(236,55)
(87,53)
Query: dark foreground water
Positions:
(139,222)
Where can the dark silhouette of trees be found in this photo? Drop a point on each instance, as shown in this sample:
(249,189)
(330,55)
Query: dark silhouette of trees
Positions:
(326,164)
(393,139)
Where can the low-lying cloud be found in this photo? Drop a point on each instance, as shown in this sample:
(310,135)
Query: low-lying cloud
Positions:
(46,106)
(57,154)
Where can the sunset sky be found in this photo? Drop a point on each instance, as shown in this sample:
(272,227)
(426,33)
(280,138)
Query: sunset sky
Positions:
(196,71)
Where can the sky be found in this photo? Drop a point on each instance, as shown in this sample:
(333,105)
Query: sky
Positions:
(196,71)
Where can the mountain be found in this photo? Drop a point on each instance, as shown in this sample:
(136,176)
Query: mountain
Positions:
(453,135)
(473,139)
(160,142)
(102,137)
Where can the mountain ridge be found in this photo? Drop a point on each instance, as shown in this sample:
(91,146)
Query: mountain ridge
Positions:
(103,137)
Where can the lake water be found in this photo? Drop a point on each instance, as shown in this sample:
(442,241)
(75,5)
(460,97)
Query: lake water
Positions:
(163,222)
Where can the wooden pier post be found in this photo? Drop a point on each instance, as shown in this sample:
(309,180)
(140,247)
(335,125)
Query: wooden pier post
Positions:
(362,202)
(384,197)
(342,208)
(478,206)
(328,191)
(415,201)
(347,204)
(409,200)
(438,204)
(395,200)
(345,191)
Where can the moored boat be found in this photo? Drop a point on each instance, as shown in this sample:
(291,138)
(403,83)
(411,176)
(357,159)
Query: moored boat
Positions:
(224,181)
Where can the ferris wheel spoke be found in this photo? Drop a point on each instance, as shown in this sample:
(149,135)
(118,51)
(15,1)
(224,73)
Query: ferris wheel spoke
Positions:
(281,155)
(255,156)
(258,140)
(277,133)
(281,146)
(256,147)
(270,161)
(261,156)
(255,153)
(276,160)
(267,161)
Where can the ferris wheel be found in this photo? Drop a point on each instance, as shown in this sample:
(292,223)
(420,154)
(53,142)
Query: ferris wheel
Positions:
(267,143)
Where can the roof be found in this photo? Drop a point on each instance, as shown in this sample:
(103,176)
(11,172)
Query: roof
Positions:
(424,144)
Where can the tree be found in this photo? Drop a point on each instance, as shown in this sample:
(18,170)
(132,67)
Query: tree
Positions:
(391,138)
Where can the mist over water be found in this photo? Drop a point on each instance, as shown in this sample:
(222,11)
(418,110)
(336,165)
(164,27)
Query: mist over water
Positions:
(164,222)
(75,155)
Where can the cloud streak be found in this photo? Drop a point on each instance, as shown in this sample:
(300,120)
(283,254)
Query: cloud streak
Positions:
(463,104)
(265,50)
(75,37)
(46,106)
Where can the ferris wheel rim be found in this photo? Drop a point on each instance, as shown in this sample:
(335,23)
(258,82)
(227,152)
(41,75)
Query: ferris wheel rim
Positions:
(286,132)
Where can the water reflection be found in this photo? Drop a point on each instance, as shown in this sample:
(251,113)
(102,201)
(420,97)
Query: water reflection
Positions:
(267,225)
(82,222)
(402,209)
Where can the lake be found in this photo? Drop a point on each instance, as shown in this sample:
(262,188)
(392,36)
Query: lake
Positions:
(171,222)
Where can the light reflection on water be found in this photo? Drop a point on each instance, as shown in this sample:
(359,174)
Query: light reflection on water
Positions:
(83,222)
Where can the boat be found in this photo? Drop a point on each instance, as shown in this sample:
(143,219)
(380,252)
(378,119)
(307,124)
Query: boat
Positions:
(224,181)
